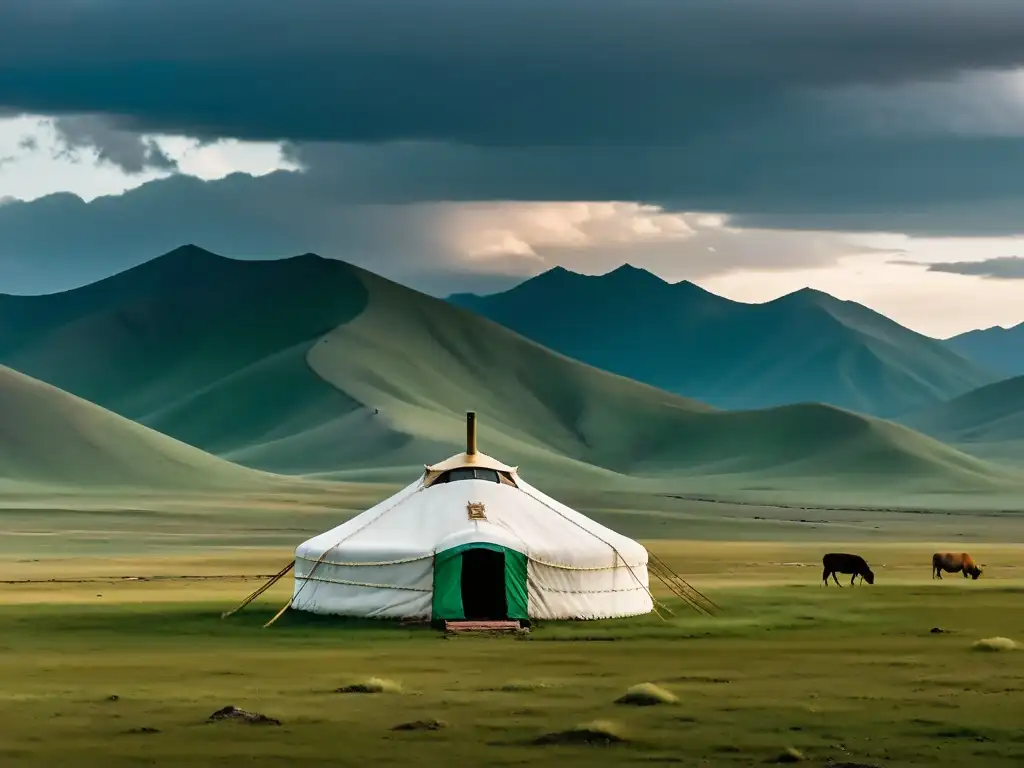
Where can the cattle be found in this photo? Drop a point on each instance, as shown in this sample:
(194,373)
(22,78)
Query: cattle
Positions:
(840,562)
(954,562)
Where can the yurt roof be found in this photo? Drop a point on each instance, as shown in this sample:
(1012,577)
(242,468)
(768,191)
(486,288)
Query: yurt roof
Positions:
(478,459)
(471,457)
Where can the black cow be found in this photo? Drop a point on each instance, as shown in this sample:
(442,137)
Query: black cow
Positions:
(840,562)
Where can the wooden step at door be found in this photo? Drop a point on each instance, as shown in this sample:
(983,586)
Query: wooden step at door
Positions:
(456,627)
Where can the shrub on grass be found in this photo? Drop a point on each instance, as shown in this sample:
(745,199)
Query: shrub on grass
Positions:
(992,644)
(647,695)
(372,685)
(790,755)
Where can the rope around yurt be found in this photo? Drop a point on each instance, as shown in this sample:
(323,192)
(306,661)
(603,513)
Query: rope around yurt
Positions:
(274,579)
(676,583)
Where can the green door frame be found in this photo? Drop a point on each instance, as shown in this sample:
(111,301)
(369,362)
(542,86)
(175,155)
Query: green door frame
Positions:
(447,598)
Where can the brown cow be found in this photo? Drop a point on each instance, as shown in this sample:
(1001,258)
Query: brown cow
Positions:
(954,562)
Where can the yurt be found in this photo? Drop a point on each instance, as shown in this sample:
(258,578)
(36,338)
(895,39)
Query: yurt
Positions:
(470,540)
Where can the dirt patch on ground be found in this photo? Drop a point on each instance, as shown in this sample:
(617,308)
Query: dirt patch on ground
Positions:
(598,733)
(241,716)
(421,725)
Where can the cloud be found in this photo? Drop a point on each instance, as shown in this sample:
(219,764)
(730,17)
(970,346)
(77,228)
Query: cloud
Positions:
(999,268)
(130,152)
(58,241)
(916,185)
(892,115)
(60,155)
(491,73)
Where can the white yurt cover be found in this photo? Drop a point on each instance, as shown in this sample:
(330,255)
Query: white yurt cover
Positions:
(430,549)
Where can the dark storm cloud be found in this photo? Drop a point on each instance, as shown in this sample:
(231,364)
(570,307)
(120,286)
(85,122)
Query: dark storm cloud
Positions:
(1000,268)
(59,241)
(128,151)
(490,72)
(940,186)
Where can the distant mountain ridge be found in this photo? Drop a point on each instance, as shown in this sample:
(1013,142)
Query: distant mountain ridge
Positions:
(1001,349)
(806,346)
(313,366)
(988,421)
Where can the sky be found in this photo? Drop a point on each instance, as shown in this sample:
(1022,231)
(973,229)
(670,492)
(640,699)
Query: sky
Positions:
(872,150)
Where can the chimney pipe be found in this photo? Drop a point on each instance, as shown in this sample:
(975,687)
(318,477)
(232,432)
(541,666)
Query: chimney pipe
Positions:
(470,433)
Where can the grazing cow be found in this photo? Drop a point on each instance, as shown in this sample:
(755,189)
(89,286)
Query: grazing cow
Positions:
(839,562)
(954,562)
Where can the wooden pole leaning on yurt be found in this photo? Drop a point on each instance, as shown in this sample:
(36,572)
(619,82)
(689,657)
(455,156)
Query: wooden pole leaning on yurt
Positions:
(273,580)
(470,433)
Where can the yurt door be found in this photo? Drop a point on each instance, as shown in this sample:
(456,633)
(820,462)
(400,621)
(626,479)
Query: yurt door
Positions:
(480,582)
(483,585)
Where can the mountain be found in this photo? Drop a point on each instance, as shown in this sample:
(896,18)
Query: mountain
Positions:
(313,366)
(988,421)
(1001,349)
(52,438)
(803,347)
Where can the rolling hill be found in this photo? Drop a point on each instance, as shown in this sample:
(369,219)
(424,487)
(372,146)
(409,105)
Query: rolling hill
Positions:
(51,438)
(998,348)
(988,421)
(312,366)
(803,347)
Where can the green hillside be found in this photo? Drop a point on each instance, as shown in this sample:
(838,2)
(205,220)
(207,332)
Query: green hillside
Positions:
(1001,349)
(313,366)
(534,402)
(203,348)
(988,421)
(51,438)
(803,347)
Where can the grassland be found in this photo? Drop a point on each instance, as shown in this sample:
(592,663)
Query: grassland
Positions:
(849,674)
(73,523)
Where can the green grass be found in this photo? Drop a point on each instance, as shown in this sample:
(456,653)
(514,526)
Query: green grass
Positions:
(41,524)
(849,674)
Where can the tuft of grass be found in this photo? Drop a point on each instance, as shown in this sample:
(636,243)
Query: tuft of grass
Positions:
(372,685)
(994,644)
(647,695)
(596,732)
(790,755)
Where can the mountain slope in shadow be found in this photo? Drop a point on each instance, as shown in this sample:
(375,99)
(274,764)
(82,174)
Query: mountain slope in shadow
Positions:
(803,347)
(1001,349)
